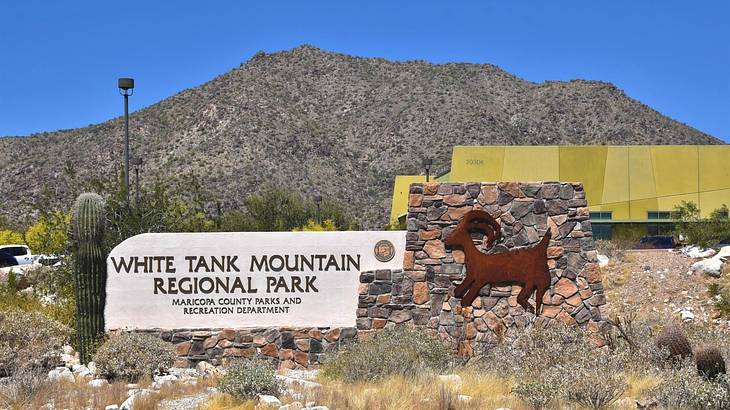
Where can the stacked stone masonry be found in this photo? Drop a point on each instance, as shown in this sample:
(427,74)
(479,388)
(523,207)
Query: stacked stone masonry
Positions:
(421,294)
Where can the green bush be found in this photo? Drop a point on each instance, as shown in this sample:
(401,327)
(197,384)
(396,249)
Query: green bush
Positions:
(698,230)
(245,379)
(133,356)
(29,341)
(397,351)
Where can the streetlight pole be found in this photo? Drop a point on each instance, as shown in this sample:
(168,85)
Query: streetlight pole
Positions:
(427,165)
(126,88)
(318,201)
(137,162)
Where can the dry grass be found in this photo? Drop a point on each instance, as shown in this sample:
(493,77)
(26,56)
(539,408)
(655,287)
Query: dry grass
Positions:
(226,402)
(80,395)
(640,385)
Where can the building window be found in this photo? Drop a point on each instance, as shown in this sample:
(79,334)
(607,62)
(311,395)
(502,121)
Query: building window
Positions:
(602,231)
(601,216)
(660,215)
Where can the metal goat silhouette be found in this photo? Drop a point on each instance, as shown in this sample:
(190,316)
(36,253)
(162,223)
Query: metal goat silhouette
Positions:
(526,266)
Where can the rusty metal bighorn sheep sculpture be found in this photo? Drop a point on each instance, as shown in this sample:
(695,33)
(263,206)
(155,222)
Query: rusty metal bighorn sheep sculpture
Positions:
(527,266)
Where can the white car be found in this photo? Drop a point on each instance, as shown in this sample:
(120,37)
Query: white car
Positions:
(16,257)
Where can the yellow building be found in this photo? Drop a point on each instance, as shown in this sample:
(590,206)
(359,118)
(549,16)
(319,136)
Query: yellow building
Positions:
(635,185)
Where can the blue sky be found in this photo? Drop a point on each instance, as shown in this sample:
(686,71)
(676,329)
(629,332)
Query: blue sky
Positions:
(59,61)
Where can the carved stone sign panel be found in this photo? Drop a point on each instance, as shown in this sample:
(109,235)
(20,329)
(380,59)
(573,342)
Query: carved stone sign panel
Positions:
(237,280)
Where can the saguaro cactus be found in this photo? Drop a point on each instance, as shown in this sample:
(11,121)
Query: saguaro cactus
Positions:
(90,273)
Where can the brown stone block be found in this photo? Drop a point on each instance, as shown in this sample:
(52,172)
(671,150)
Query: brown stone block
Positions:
(565,288)
(420,293)
(302,344)
(565,318)
(182,349)
(225,343)
(259,340)
(493,322)
(512,188)
(400,316)
(270,350)
(592,272)
(454,199)
(488,195)
(408,260)
(362,288)
(301,358)
(574,300)
(379,323)
(228,334)
(415,200)
(239,352)
(416,275)
(550,311)
(458,256)
(316,334)
(332,335)
(435,249)
(181,362)
(457,213)
(430,234)
(554,252)
(383,299)
(286,354)
(210,342)
(430,188)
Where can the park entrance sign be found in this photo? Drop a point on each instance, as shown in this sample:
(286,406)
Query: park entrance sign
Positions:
(243,279)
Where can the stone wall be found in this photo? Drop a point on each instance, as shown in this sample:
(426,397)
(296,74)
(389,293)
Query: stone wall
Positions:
(421,294)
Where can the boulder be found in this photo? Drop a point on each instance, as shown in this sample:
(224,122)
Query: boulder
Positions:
(602,260)
(98,383)
(713,266)
(267,400)
(61,375)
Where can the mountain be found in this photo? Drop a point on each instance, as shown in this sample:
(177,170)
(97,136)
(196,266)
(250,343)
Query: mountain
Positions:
(342,125)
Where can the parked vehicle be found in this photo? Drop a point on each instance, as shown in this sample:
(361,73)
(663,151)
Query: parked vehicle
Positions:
(21,253)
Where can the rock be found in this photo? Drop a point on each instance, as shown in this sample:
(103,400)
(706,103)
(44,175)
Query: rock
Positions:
(647,403)
(92,367)
(320,408)
(565,288)
(602,260)
(162,381)
(451,379)
(111,407)
(98,383)
(696,252)
(463,398)
(61,375)
(292,406)
(686,315)
(267,400)
(129,403)
(713,266)
(206,368)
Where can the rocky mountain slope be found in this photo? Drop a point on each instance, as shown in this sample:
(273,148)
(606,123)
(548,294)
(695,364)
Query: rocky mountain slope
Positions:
(342,125)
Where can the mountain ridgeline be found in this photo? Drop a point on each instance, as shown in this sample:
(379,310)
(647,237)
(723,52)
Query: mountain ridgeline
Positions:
(344,126)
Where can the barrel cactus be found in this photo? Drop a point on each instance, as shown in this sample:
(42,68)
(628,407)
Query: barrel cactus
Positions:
(675,342)
(90,271)
(709,361)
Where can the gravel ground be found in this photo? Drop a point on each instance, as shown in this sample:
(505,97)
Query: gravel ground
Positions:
(185,403)
(658,283)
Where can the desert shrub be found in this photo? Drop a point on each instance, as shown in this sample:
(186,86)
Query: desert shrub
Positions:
(536,394)
(701,231)
(682,388)
(615,250)
(132,356)
(29,340)
(59,308)
(18,390)
(245,379)
(598,381)
(397,351)
(538,353)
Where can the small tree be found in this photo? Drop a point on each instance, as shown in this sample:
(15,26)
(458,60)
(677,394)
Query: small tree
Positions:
(701,231)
